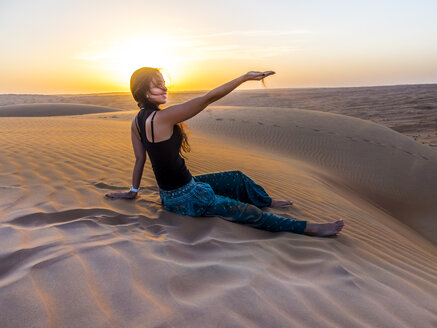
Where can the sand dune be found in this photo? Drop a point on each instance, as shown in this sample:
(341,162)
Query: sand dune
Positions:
(71,258)
(379,165)
(43,109)
(408,109)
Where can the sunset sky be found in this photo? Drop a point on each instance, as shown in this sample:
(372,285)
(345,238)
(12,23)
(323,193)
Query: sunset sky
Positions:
(86,46)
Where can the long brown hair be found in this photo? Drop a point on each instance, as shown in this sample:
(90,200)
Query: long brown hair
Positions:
(139,85)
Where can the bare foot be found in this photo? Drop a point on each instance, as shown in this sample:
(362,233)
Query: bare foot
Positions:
(280,203)
(324,229)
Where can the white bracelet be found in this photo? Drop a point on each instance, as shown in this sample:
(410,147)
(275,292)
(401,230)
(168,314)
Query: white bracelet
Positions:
(133,189)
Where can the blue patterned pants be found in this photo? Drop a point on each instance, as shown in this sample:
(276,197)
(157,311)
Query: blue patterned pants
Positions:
(230,195)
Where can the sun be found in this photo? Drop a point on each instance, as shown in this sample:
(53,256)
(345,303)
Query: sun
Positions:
(127,55)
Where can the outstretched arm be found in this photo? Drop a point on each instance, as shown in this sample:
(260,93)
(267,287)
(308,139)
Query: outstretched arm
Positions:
(182,112)
(226,88)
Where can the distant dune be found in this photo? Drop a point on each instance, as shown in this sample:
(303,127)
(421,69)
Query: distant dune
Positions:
(51,109)
(408,109)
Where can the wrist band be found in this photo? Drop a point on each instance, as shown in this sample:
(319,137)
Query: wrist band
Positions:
(133,189)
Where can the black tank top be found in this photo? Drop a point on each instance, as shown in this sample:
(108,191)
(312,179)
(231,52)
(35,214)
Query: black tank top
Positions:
(168,165)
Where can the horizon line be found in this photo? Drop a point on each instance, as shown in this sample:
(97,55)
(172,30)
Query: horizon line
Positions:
(207,90)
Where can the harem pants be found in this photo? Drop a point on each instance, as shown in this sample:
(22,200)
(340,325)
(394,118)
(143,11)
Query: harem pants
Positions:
(230,195)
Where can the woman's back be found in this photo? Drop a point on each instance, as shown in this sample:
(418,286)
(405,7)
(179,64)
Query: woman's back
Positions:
(161,130)
(163,150)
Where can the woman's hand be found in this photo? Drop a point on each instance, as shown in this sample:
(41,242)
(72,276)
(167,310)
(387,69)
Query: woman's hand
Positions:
(256,76)
(124,195)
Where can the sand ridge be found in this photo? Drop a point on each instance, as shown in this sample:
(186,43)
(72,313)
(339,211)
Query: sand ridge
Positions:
(51,109)
(382,166)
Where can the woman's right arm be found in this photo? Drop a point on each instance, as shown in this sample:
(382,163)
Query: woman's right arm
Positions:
(182,112)
(140,160)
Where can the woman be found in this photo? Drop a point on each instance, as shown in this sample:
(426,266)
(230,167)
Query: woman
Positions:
(230,195)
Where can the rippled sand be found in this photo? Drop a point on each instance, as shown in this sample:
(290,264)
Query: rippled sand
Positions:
(72,258)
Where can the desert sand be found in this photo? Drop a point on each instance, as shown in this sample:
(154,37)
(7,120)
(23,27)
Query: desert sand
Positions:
(72,258)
